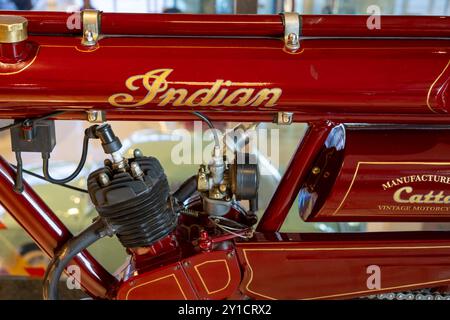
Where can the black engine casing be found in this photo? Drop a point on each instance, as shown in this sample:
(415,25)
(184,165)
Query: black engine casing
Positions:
(139,208)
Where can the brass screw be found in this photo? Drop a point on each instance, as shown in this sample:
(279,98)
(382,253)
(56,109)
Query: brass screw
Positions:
(316,170)
(223,188)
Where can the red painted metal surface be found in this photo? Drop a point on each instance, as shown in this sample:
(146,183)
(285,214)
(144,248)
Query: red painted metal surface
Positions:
(40,22)
(47,22)
(18,55)
(207,275)
(388,173)
(166,283)
(238,117)
(49,232)
(241,25)
(13,52)
(406,77)
(391,26)
(164,251)
(324,76)
(327,266)
(345,80)
(149,115)
(192,25)
(292,180)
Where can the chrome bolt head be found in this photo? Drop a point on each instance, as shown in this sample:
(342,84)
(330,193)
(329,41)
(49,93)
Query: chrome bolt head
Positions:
(138,153)
(103,179)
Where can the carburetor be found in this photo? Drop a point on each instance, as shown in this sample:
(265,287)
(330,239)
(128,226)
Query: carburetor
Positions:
(221,183)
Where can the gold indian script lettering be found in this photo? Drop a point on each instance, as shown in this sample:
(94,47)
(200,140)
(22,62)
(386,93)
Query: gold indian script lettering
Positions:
(219,94)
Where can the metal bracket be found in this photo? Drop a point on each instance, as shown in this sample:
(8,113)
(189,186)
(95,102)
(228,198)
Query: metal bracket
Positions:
(96,116)
(91,27)
(284,118)
(292,22)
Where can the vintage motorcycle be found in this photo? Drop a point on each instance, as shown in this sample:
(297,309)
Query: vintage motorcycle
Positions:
(376,101)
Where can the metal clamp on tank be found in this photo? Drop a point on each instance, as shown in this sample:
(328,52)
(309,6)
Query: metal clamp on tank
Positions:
(292,22)
(91,27)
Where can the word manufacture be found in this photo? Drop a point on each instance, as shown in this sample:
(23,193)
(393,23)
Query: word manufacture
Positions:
(416,178)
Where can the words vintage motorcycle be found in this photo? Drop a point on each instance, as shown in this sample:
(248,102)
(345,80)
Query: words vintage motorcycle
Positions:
(376,101)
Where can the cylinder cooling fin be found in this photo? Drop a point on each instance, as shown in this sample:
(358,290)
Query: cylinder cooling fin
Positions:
(134,199)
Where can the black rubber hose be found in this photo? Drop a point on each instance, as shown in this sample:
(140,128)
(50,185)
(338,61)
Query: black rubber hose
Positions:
(31,173)
(68,251)
(46,157)
(186,190)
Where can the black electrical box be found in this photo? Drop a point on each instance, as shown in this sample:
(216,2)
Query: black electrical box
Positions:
(36,137)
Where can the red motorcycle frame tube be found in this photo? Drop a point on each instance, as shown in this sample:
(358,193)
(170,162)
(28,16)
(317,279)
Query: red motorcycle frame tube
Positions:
(337,77)
(239,25)
(326,75)
(49,232)
(335,266)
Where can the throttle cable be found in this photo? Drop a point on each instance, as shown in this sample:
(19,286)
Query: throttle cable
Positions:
(210,125)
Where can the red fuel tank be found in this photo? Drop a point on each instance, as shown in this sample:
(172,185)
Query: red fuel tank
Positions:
(380,173)
(149,64)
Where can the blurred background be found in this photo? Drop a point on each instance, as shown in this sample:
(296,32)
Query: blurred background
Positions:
(21,262)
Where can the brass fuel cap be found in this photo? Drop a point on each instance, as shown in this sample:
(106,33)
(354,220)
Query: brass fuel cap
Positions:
(13,29)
